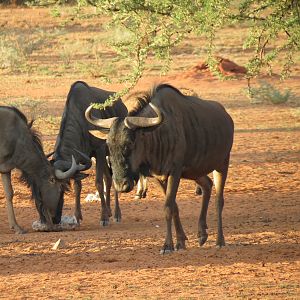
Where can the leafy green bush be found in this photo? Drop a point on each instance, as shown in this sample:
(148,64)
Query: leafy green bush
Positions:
(267,93)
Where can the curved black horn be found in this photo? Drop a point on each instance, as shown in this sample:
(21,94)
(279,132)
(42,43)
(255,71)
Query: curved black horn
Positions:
(87,161)
(62,165)
(67,174)
(134,122)
(102,123)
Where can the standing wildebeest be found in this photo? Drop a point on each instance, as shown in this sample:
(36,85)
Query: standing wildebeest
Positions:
(172,136)
(74,135)
(21,148)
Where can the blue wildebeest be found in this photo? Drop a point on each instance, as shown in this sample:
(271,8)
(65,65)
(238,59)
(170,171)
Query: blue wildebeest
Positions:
(171,136)
(74,139)
(21,148)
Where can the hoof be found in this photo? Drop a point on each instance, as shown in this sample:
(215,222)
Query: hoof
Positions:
(19,230)
(180,246)
(220,243)
(78,220)
(166,251)
(117,220)
(137,197)
(202,240)
(220,246)
(78,217)
(198,191)
(104,223)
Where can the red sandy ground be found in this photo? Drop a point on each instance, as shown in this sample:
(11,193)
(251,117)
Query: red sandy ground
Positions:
(261,218)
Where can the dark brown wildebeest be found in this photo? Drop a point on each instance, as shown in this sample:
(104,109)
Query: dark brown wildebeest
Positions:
(172,136)
(74,139)
(21,148)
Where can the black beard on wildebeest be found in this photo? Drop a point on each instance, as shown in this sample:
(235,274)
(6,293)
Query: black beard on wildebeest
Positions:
(123,176)
(173,136)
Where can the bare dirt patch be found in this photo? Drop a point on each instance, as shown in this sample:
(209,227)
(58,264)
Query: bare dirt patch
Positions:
(261,214)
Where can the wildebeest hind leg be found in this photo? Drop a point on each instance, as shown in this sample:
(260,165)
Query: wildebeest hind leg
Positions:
(219,181)
(105,214)
(77,189)
(142,188)
(8,191)
(206,186)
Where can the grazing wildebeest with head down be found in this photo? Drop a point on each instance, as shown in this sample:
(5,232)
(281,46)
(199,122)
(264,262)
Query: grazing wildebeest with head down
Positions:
(74,135)
(21,148)
(74,139)
(172,136)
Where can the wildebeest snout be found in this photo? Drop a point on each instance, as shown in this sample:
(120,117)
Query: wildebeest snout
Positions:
(124,186)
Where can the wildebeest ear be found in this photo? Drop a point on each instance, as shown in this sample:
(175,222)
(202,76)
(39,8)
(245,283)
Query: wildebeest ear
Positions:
(98,134)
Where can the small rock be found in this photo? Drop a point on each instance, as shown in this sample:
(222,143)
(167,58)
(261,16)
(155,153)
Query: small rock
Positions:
(92,197)
(59,244)
(67,223)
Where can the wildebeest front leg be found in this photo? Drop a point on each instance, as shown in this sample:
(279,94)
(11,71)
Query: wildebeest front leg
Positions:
(100,161)
(180,235)
(118,214)
(219,181)
(170,206)
(206,186)
(77,189)
(8,191)
(108,185)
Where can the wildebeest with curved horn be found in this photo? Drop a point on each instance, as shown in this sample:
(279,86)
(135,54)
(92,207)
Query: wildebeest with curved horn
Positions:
(74,139)
(172,136)
(21,148)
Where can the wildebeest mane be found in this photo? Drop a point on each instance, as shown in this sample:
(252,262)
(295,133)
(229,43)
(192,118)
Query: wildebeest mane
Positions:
(34,133)
(30,183)
(143,99)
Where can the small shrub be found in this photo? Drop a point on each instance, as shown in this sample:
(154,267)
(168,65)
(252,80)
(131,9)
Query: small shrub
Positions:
(267,93)
(33,109)
(10,55)
(55,12)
